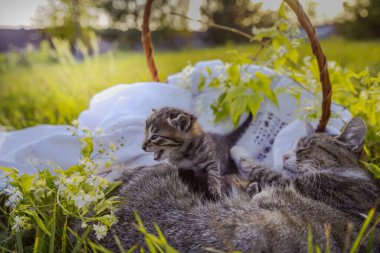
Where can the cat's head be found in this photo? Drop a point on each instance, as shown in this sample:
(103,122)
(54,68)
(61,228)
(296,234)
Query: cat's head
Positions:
(321,151)
(167,129)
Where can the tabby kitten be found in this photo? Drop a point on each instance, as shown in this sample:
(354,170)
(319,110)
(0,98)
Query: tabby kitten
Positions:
(202,158)
(337,192)
(321,167)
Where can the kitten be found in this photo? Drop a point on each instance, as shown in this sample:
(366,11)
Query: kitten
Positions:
(202,158)
(337,192)
(321,167)
(324,188)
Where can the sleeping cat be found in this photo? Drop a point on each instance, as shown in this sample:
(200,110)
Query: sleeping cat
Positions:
(321,167)
(326,185)
(202,158)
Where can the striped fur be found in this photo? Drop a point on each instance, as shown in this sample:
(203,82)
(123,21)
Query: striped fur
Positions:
(203,159)
(274,220)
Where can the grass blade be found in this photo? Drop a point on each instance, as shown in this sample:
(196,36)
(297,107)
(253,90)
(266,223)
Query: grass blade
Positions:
(310,246)
(81,240)
(358,239)
(36,241)
(20,248)
(64,237)
(118,243)
(52,230)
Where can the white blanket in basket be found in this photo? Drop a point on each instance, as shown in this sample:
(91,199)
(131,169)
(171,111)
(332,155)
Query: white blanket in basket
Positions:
(117,115)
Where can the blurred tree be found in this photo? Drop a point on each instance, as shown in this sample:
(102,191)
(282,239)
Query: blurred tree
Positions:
(67,19)
(240,14)
(127,14)
(361,19)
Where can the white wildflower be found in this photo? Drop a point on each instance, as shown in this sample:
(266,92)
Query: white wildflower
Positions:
(99,131)
(75,123)
(185,77)
(282,51)
(14,196)
(245,77)
(79,200)
(222,78)
(61,183)
(100,231)
(75,179)
(88,164)
(20,223)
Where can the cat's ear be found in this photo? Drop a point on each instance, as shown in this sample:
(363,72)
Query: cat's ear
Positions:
(309,128)
(353,134)
(182,122)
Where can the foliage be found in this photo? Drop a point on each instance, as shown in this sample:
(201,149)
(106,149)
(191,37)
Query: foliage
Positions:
(359,92)
(67,19)
(363,240)
(40,206)
(361,19)
(238,14)
(127,14)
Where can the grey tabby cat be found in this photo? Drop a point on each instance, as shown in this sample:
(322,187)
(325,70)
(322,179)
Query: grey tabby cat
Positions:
(326,186)
(202,158)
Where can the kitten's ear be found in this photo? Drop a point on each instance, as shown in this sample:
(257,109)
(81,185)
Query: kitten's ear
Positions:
(309,128)
(182,122)
(353,134)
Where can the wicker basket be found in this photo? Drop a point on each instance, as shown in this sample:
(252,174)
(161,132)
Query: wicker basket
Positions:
(305,23)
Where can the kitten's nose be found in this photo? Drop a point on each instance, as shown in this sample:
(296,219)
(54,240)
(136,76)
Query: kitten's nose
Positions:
(285,157)
(144,146)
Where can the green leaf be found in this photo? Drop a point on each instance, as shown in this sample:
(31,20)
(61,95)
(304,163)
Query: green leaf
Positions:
(202,82)
(38,220)
(234,74)
(282,11)
(373,168)
(276,43)
(112,186)
(238,106)
(88,146)
(293,55)
(254,103)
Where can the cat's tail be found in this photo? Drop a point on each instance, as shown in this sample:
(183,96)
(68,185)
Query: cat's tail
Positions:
(234,136)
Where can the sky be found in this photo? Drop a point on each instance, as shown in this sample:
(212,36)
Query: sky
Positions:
(19,13)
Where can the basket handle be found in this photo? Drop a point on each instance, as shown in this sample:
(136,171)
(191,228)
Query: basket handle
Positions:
(310,31)
(146,39)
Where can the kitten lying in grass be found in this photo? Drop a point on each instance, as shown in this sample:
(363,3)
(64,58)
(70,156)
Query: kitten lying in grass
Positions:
(202,158)
(326,187)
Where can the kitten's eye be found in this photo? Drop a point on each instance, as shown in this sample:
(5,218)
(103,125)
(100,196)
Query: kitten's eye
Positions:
(154,137)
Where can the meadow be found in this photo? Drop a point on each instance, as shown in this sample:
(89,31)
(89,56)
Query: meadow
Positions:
(47,87)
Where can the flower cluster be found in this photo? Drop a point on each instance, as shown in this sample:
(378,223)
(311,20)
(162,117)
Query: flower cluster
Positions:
(76,193)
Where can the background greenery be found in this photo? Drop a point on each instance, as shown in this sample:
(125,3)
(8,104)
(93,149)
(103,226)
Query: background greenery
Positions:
(46,87)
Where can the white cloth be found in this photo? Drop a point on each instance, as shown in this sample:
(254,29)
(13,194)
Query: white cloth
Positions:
(121,112)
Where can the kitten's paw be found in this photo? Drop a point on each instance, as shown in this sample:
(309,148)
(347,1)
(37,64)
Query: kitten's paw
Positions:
(238,152)
(215,192)
(253,189)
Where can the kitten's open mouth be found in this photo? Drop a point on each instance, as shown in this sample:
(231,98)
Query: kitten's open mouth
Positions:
(157,154)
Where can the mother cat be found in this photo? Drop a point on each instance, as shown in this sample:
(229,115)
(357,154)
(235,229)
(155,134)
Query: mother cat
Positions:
(337,192)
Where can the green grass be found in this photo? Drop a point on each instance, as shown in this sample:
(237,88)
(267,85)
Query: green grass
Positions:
(55,93)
